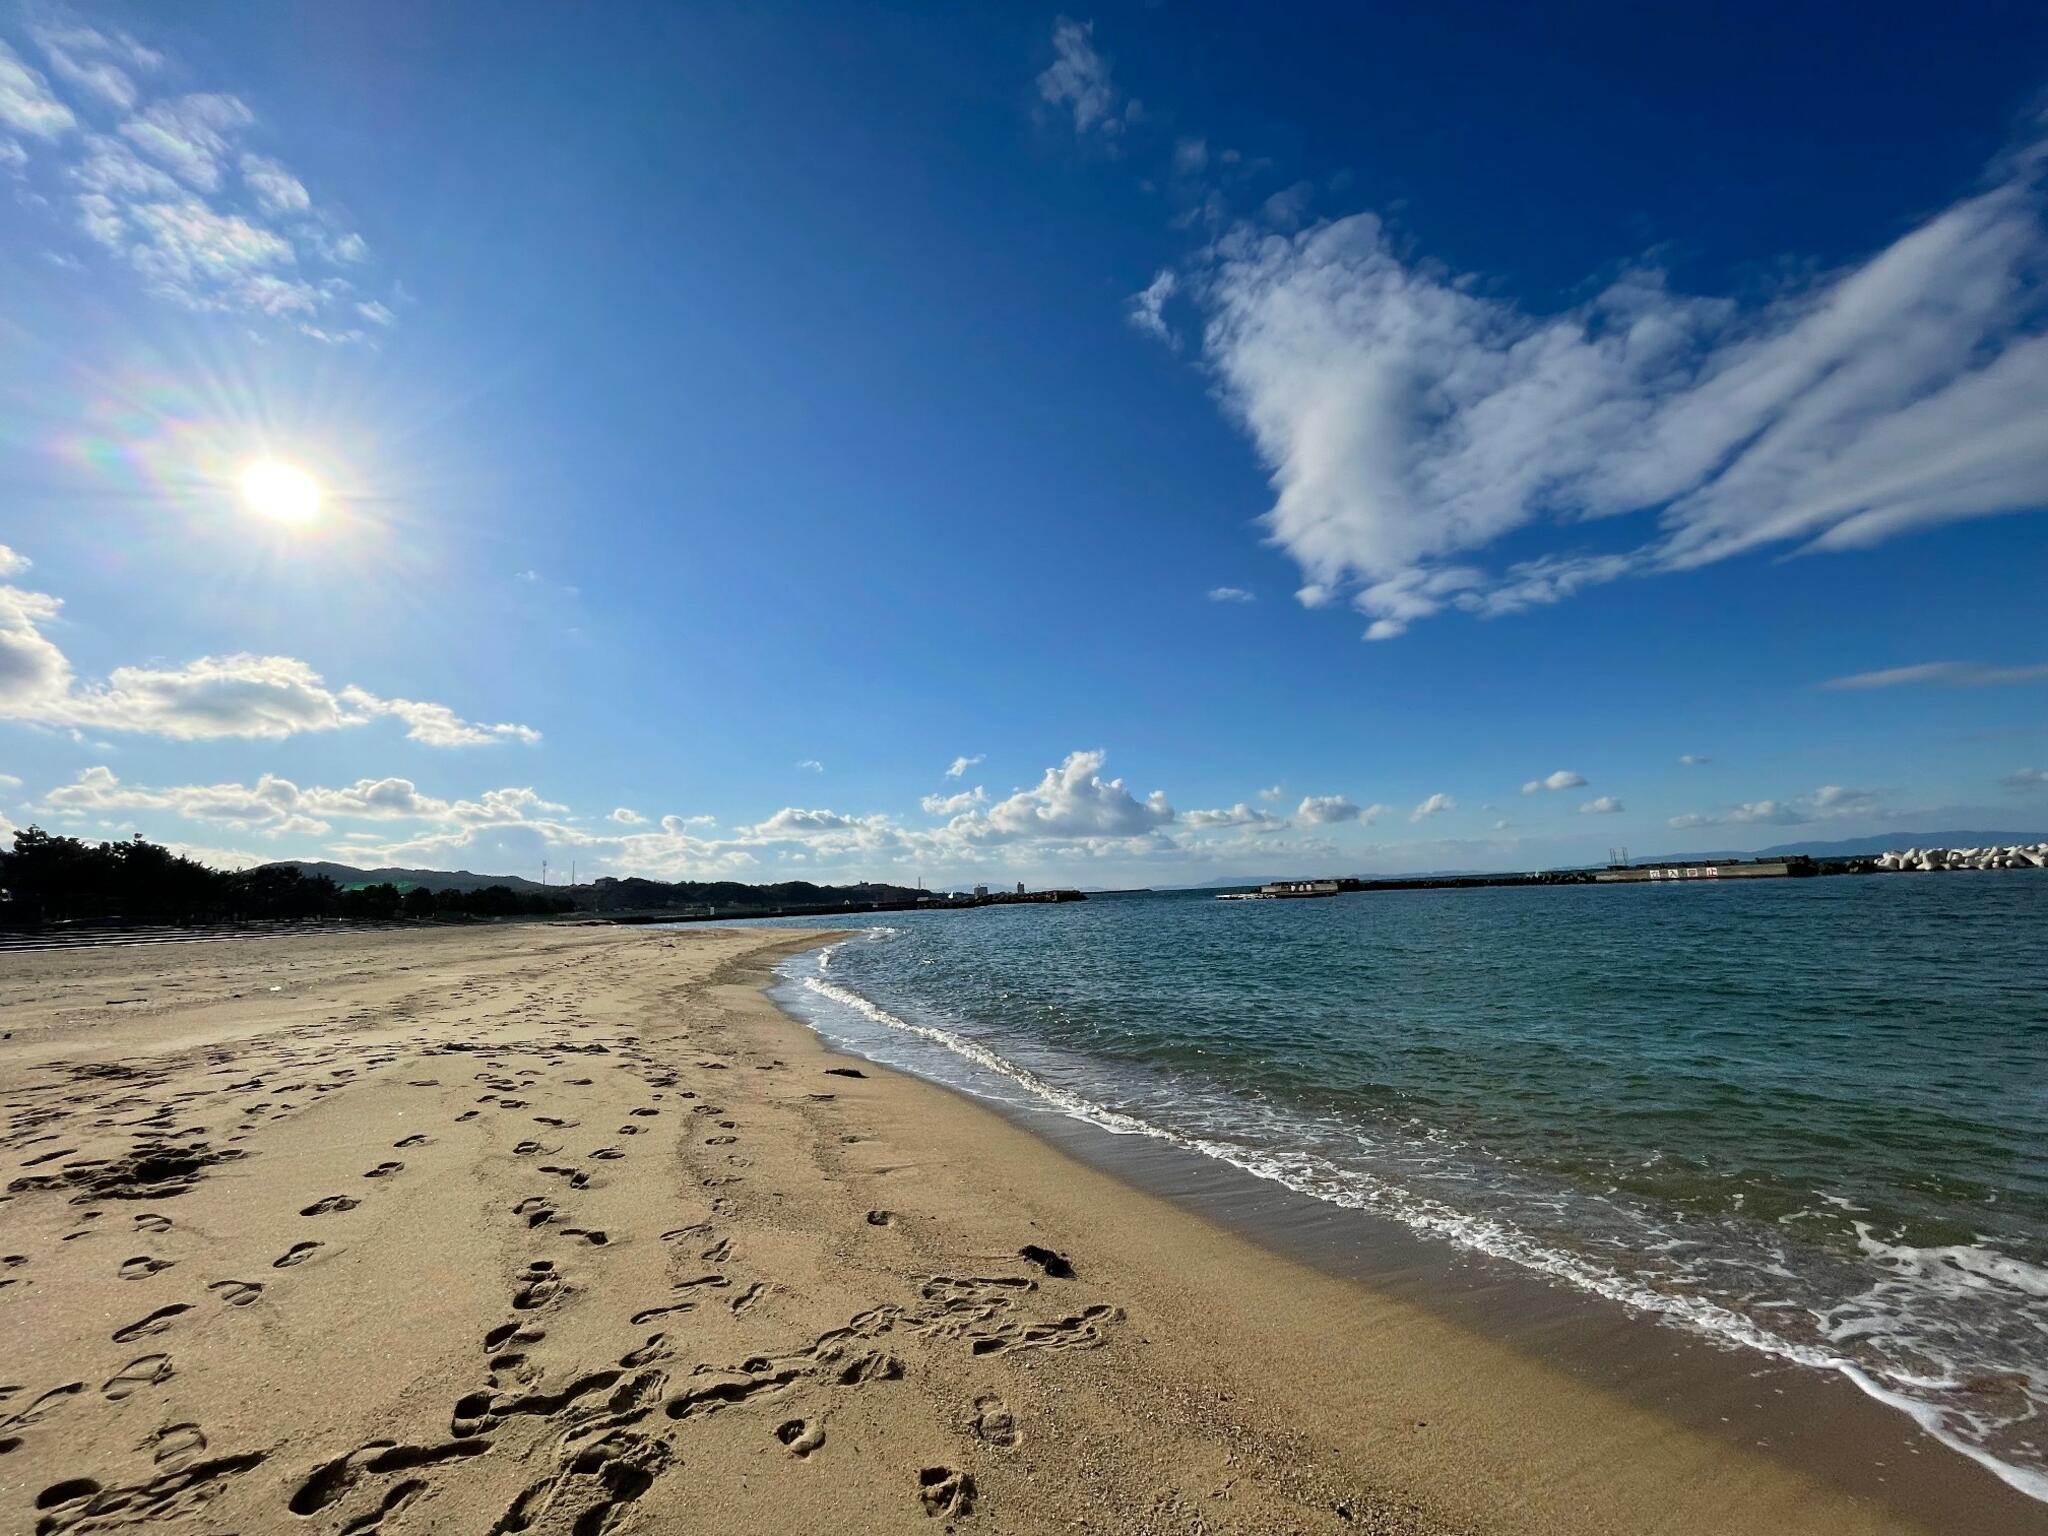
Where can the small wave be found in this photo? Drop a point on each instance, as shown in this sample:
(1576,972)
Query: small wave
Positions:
(1354,1189)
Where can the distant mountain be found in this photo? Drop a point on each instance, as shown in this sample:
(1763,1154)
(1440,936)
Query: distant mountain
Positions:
(1851,847)
(431,879)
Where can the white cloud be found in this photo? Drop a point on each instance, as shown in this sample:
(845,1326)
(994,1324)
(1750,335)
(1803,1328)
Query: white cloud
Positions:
(1190,156)
(1767,812)
(275,189)
(1564,778)
(1411,420)
(2026,778)
(628,818)
(1078,79)
(157,194)
(962,763)
(795,820)
(27,103)
(272,805)
(1325,810)
(1601,805)
(1831,797)
(436,725)
(1945,674)
(265,697)
(1272,792)
(1693,759)
(189,135)
(97,63)
(1435,805)
(1147,309)
(810,765)
(1238,815)
(1075,801)
(953,805)
(1286,208)
(1231,595)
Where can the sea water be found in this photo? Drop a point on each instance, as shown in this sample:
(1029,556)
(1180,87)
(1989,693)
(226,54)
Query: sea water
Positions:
(1804,1117)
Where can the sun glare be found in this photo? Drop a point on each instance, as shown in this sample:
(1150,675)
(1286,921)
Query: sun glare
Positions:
(281,491)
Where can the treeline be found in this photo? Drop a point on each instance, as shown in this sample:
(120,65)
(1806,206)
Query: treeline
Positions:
(51,879)
(637,895)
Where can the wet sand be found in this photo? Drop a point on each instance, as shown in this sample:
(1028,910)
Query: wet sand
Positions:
(566,1229)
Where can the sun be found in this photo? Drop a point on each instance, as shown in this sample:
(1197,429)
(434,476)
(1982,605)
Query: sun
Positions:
(280,491)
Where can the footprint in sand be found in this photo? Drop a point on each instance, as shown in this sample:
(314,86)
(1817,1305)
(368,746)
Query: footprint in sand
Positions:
(330,1205)
(943,1491)
(384,1170)
(236,1293)
(156,1322)
(142,1266)
(150,1221)
(536,1211)
(656,1348)
(416,1139)
(607,1154)
(538,1284)
(298,1253)
(145,1371)
(993,1421)
(175,1442)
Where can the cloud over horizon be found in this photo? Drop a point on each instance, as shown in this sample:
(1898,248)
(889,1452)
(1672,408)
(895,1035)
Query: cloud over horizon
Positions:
(242,695)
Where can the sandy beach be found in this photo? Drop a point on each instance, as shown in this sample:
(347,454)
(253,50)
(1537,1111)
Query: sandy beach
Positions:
(569,1230)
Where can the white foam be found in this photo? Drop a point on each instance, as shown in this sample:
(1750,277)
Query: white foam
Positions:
(1319,1178)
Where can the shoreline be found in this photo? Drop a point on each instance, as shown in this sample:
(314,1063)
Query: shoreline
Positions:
(1819,1422)
(649,1259)
(1826,1418)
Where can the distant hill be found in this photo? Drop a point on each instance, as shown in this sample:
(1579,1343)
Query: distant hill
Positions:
(1881,842)
(431,879)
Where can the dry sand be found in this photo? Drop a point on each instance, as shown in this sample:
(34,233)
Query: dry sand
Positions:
(570,1230)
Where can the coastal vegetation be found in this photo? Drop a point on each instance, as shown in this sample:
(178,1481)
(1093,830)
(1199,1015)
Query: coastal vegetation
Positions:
(49,878)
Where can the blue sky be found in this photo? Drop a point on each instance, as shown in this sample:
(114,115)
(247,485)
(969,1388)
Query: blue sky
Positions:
(1438,437)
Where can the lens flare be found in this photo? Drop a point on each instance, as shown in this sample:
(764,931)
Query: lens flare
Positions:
(283,492)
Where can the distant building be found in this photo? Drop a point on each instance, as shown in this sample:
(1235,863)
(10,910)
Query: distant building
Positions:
(981,890)
(1020,887)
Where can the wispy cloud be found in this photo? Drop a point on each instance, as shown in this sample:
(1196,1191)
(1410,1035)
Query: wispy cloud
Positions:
(1942,674)
(962,763)
(27,104)
(1435,805)
(1693,759)
(1830,800)
(1147,308)
(1078,81)
(810,765)
(2026,778)
(172,188)
(1412,421)
(1601,805)
(1231,595)
(1564,778)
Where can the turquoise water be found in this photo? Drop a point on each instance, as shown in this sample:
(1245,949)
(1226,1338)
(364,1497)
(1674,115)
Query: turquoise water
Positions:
(1803,1117)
